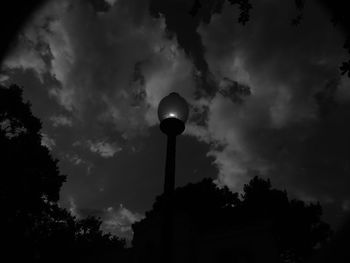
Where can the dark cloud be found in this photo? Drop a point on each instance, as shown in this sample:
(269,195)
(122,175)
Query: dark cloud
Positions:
(278,105)
(183,18)
(183,24)
(13,17)
(100,5)
(293,127)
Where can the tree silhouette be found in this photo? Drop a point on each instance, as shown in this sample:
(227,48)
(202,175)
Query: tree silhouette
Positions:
(33,226)
(32,177)
(297,227)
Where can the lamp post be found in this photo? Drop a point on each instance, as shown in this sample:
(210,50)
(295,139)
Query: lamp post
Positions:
(172,114)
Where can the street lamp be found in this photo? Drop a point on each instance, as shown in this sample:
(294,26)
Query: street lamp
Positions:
(172,114)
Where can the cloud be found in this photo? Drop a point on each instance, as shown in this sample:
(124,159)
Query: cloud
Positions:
(32,49)
(73,207)
(105,69)
(75,159)
(3,78)
(61,120)
(103,148)
(47,141)
(111,2)
(116,70)
(25,57)
(277,131)
(346,205)
(78,160)
(169,71)
(119,221)
(108,70)
(116,221)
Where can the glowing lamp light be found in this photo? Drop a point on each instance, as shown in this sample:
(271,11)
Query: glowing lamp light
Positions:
(173,106)
(172,115)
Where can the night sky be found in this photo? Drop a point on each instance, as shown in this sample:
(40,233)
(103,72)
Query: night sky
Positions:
(95,71)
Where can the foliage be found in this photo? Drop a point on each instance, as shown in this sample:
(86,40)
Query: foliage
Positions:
(297,227)
(34,228)
(30,174)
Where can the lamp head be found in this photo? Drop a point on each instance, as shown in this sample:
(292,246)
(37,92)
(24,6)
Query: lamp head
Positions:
(173,114)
